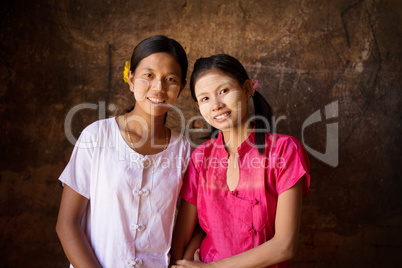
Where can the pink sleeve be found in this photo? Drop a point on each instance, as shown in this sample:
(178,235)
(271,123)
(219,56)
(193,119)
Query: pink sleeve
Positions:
(190,184)
(294,165)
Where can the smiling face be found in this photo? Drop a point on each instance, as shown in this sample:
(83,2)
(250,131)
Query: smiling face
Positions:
(221,100)
(156,83)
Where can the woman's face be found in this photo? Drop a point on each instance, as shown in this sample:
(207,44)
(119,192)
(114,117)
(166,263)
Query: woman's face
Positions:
(221,100)
(156,83)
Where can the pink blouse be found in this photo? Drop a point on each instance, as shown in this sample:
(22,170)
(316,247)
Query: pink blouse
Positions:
(236,221)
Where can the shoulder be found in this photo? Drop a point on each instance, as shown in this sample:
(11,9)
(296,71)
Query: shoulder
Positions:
(204,152)
(283,141)
(98,126)
(205,147)
(97,131)
(287,147)
(178,139)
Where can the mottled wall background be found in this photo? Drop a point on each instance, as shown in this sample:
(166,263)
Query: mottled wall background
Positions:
(55,55)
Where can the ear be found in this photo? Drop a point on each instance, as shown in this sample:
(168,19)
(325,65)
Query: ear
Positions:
(130,78)
(248,88)
(182,87)
(196,104)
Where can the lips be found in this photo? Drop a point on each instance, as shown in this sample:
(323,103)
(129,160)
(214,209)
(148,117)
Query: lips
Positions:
(156,100)
(222,116)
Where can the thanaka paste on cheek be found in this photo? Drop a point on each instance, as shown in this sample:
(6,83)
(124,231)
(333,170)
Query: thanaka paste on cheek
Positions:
(141,87)
(233,100)
(205,111)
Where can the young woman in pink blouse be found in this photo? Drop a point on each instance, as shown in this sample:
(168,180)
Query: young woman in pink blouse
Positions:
(245,186)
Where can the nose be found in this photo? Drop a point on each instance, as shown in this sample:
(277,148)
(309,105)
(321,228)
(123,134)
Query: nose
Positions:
(157,85)
(216,104)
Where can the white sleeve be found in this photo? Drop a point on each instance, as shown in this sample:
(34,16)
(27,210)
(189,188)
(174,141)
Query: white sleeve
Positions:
(77,173)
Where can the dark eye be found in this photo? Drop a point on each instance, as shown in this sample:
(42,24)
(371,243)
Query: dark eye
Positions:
(148,75)
(224,91)
(204,99)
(171,79)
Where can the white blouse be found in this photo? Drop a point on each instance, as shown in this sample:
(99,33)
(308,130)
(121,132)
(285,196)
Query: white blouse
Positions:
(132,197)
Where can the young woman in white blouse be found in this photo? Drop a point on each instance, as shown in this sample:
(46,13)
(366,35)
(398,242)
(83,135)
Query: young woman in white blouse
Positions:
(125,173)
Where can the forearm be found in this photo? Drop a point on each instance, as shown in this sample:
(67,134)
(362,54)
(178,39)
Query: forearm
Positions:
(76,246)
(271,252)
(176,252)
(183,231)
(180,243)
(75,243)
(194,243)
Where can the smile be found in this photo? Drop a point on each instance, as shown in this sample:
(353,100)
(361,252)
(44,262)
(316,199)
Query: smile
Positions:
(156,101)
(222,116)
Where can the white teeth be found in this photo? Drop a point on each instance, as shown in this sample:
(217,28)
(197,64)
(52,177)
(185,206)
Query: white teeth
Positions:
(222,116)
(156,100)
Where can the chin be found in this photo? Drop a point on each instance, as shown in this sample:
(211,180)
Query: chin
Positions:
(158,111)
(224,125)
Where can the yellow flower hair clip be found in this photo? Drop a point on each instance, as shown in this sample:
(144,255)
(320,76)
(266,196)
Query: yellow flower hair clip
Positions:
(126,69)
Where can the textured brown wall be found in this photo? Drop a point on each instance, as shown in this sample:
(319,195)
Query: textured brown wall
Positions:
(306,54)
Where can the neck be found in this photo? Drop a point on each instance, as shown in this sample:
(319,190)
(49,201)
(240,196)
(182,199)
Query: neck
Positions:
(235,136)
(146,125)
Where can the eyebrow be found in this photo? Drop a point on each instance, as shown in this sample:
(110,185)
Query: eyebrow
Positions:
(152,70)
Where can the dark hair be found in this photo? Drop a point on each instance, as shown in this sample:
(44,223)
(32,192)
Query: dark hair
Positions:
(160,43)
(233,68)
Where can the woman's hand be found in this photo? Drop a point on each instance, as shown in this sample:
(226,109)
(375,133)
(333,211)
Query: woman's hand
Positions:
(191,264)
(197,255)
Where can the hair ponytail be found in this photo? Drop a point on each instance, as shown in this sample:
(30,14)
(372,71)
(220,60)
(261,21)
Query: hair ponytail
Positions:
(262,119)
